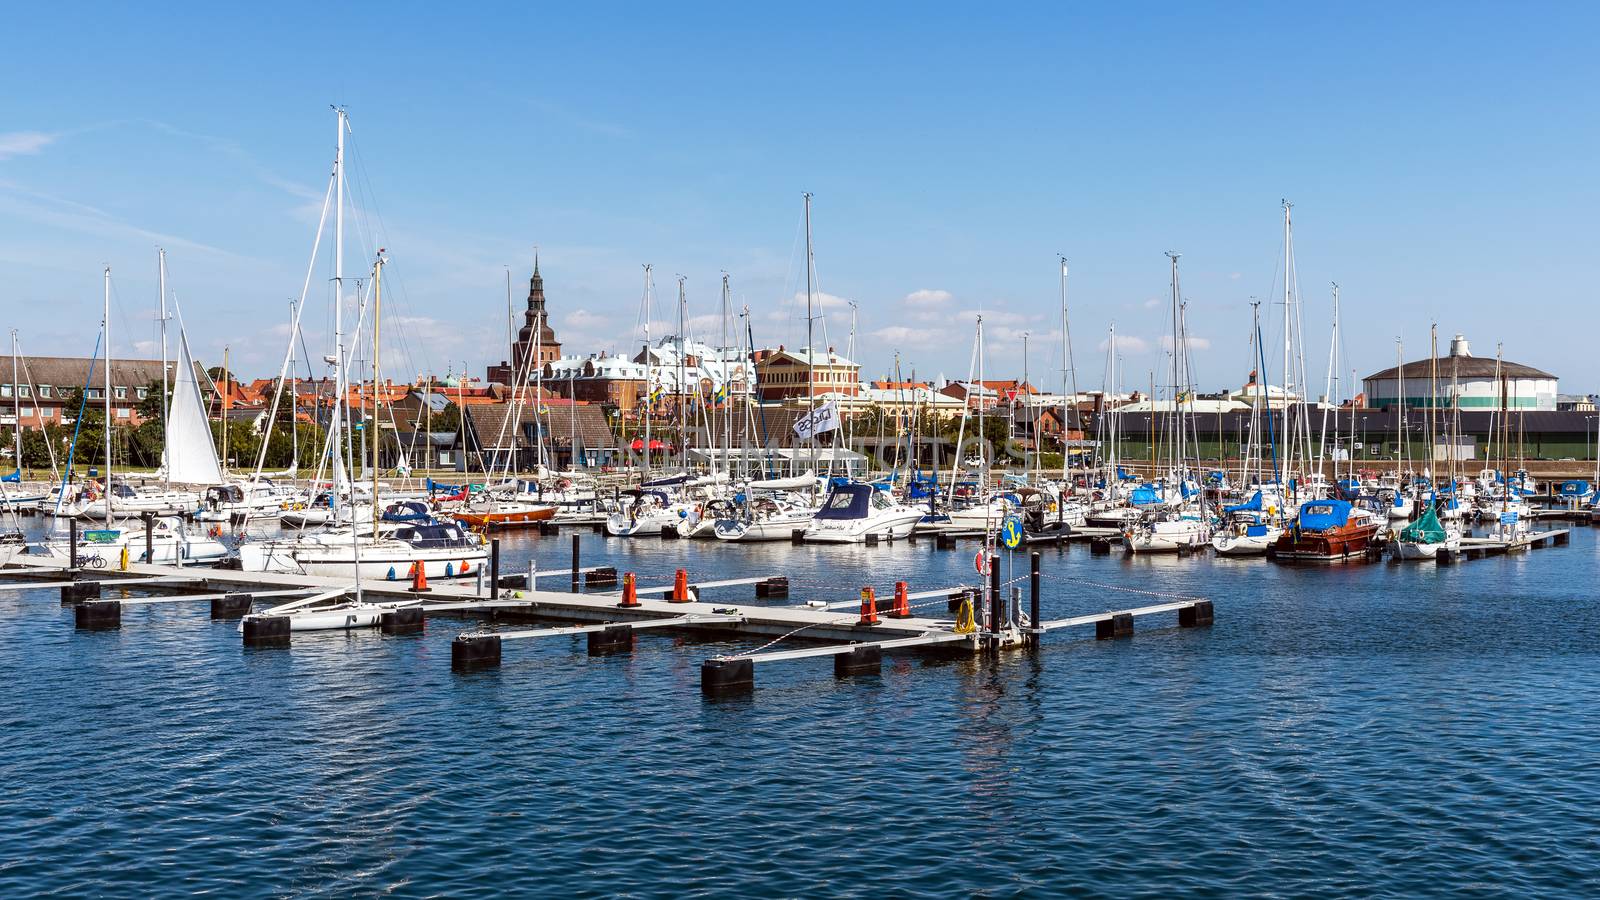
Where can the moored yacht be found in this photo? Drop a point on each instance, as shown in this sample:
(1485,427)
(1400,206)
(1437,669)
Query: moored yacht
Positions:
(853,512)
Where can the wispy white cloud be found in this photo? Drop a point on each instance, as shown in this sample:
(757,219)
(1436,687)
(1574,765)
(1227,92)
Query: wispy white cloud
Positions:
(59,212)
(23,143)
(1126,343)
(1194,343)
(905,337)
(928,299)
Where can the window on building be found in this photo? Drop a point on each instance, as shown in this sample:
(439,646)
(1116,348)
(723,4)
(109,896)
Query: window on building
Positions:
(5,390)
(95,394)
(122,412)
(121,392)
(46,390)
(141,393)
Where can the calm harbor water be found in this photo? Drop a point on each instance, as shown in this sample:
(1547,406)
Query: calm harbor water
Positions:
(1402,730)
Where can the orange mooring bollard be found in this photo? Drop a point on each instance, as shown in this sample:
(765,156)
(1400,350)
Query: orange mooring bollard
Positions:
(630,593)
(902,602)
(680,587)
(419,578)
(869,607)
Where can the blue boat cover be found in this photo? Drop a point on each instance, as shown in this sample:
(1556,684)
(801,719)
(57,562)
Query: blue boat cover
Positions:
(13,477)
(1320,515)
(1574,488)
(846,501)
(1255,530)
(1144,495)
(1251,505)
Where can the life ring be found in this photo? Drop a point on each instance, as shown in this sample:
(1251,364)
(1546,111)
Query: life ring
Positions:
(981,562)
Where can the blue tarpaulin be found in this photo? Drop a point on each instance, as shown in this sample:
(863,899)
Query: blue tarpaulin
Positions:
(14,477)
(1320,515)
(1144,495)
(1251,505)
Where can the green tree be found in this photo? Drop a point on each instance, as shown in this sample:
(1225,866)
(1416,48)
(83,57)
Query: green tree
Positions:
(447,419)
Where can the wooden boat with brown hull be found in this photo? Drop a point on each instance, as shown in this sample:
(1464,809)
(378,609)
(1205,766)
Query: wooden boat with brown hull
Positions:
(498,516)
(1327,531)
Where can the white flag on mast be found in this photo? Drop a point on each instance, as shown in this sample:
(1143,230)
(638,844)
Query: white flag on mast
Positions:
(821,420)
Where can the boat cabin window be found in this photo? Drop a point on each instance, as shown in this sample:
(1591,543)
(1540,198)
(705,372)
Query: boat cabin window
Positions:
(1320,509)
(840,501)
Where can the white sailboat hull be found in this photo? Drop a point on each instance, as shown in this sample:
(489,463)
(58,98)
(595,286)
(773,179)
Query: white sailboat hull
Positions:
(1165,537)
(888,524)
(1235,544)
(774,529)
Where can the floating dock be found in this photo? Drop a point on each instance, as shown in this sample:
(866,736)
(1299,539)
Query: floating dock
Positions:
(856,633)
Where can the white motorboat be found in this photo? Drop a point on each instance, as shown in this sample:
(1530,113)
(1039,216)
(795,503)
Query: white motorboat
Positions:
(853,512)
(170,542)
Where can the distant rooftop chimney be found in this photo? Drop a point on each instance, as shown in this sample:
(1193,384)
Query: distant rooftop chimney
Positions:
(1459,346)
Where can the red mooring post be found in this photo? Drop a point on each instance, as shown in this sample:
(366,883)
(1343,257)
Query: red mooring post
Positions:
(680,587)
(902,602)
(869,607)
(630,593)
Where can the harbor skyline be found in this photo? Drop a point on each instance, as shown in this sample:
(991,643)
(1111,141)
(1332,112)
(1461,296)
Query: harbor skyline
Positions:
(941,190)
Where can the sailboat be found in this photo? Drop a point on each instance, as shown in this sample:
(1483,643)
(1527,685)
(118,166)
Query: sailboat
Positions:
(166,539)
(1250,528)
(355,545)
(1175,526)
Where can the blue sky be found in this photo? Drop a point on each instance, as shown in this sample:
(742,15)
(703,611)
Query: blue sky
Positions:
(1440,158)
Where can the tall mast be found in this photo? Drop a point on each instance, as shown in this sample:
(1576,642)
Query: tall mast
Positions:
(1177,385)
(1400,408)
(1069,373)
(227,404)
(649,371)
(161,287)
(377,321)
(1033,426)
(1333,355)
(1288,378)
(811,350)
(16,404)
(338,311)
(106,328)
(1433,400)
(727,380)
(683,380)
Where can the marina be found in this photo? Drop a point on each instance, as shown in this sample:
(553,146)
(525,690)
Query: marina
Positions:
(799,452)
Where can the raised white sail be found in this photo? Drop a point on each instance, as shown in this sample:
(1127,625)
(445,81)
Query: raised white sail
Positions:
(189,456)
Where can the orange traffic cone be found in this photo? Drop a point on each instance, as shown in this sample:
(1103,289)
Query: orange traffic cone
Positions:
(419,578)
(902,602)
(630,594)
(869,607)
(680,587)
